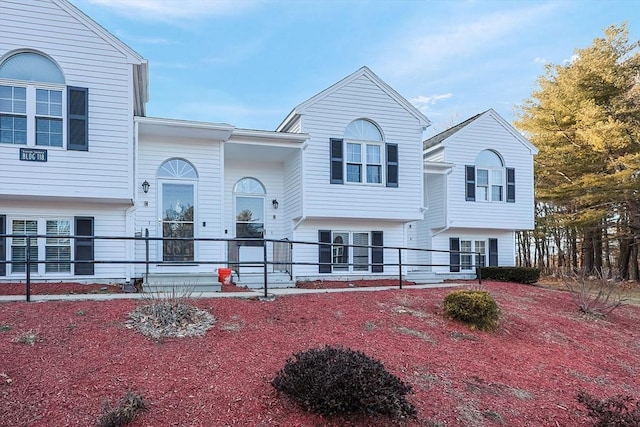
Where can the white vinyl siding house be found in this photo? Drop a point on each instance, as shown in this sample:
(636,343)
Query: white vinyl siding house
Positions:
(75,163)
(489,189)
(346,168)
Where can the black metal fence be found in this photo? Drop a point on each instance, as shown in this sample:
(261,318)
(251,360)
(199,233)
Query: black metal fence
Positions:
(281,259)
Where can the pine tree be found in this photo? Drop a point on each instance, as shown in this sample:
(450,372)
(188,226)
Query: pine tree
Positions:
(585,119)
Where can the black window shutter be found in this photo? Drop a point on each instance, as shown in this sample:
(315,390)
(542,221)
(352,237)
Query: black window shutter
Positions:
(511,185)
(392,165)
(377,253)
(470,180)
(3,245)
(324,251)
(493,252)
(454,255)
(83,247)
(336,161)
(78,118)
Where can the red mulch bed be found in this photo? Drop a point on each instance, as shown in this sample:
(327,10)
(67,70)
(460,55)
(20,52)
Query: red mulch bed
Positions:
(525,374)
(63,288)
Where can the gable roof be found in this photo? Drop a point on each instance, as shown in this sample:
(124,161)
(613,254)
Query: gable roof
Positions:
(441,138)
(363,71)
(140,65)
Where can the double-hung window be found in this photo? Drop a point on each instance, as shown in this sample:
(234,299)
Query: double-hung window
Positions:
(56,245)
(49,117)
(13,114)
(363,157)
(37,108)
(487,179)
(364,163)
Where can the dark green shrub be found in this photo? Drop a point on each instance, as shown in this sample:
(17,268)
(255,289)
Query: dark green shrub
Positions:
(126,409)
(511,274)
(616,411)
(477,309)
(341,381)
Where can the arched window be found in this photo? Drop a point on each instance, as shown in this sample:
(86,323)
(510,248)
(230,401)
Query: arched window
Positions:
(177,168)
(177,183)
(31,67)
(364,153)
(249,200)
(487,179)
(32,97)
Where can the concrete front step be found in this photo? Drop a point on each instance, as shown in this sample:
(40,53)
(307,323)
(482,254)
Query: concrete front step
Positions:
(169,282)
(256,280)
(423,277)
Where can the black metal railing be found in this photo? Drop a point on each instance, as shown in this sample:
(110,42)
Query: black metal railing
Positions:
(281,258)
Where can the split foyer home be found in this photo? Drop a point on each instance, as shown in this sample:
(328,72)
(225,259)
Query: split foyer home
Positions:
(346,172)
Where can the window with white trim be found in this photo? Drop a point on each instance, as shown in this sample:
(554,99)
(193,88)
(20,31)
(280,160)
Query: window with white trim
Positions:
(56,247)
(489,177)
(350,258)
(364,157)
(472,254)
(37,108)
(487,180)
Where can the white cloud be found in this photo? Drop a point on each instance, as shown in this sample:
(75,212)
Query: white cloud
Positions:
(540,60)
(571,60)
(427,47)
(422,103)
(167,10)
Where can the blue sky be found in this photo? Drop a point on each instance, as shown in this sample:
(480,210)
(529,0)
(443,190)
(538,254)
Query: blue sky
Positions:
(249,62)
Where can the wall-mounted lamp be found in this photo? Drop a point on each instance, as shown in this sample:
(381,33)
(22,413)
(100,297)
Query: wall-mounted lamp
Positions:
(275,204)
(145,186)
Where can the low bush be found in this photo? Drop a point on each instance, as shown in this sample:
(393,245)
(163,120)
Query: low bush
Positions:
(340,381)
(594,295)
(511,274)
(126,409)
(616,411)
(476,308)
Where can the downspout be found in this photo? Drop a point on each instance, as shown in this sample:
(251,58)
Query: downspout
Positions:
(303,217)
(129,213)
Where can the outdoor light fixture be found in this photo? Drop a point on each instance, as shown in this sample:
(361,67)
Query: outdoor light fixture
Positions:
(275,204)
(145,186)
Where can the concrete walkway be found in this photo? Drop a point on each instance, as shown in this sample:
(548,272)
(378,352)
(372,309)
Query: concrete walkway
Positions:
(255,293)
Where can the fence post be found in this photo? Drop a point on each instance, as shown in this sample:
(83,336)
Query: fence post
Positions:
(28,265)
(264,260)
(146,254)
(479,274)
(400,266)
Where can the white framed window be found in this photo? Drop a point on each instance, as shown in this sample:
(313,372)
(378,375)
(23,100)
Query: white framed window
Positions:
(56,246)
(348,258)
(364,152)
(48,117)
(472,254)
(23,227)
(490,177)
(33,105)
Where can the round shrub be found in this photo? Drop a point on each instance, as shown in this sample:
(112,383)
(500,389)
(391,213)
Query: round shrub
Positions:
(477,309)
(341,381)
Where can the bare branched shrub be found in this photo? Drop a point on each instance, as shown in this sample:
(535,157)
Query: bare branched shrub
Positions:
(594,295)
(170,314)
(125,410)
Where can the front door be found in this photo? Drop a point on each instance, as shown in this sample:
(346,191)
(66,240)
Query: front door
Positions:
(177,222)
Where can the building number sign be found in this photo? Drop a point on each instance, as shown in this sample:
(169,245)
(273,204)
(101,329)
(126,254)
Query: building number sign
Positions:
(33,155)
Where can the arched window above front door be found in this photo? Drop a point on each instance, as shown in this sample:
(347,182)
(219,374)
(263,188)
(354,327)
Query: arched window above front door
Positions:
(177,168)
(249,186)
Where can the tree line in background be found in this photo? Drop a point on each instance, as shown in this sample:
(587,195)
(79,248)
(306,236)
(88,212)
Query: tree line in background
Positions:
(584,117)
